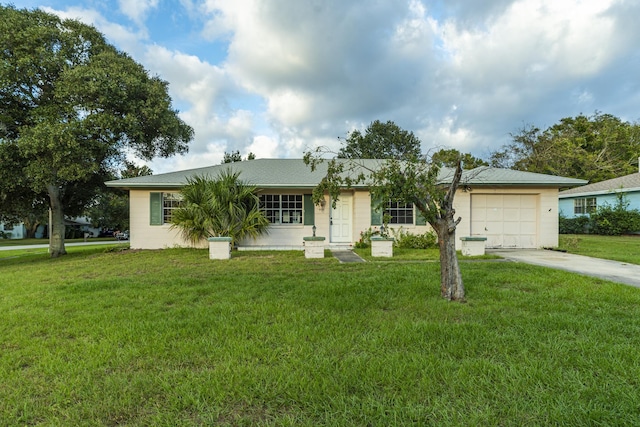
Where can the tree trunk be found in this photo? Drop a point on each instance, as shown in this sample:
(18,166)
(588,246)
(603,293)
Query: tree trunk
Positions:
(56,238)
(30,227)
(451,286)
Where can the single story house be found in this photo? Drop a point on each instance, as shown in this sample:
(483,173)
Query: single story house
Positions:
(584,200)
(12,231)
(19,231)
(510,208)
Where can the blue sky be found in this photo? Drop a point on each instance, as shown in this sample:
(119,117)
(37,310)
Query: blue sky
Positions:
(276,77)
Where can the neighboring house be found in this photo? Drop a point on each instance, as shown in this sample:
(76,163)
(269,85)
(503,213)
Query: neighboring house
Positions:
(584,200)
(12,231)
(18,231)
(511,208)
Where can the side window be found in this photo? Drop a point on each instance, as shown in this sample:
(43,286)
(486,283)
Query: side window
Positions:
(586,205)
(170,202)
(162,206)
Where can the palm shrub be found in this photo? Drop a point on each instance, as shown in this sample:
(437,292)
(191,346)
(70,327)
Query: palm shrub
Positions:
(222,207)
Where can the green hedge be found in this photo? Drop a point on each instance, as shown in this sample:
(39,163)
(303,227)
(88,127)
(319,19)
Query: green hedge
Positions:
(606,220)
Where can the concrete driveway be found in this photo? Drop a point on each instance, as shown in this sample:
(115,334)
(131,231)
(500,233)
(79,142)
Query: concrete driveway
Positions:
(614,271)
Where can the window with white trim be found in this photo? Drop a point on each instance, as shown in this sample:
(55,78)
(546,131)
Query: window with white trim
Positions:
(170,202)
(584,205)
(399,213)
(282,208)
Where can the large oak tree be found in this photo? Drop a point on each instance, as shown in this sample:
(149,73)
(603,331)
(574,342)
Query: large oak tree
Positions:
(71,108)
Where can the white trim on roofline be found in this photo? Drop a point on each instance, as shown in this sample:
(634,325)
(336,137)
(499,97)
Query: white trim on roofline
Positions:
(598,193)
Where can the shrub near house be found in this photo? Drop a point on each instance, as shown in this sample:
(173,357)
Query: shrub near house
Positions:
(605,220)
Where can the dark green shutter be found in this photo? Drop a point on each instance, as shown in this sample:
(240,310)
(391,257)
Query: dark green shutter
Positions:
(155,206)
(309,210)
(420,220)
(376,212)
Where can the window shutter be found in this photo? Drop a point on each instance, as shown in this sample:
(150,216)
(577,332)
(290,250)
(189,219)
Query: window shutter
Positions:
(420,220)
(376,212)
(309,210)
(155,212)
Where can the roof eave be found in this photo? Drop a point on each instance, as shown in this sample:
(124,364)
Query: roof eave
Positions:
(599,192)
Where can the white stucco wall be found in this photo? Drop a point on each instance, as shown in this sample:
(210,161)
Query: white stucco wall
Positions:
(142,235)
(146,236)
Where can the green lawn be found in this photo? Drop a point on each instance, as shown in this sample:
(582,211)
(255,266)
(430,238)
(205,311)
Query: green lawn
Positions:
(170,338)
(618,248)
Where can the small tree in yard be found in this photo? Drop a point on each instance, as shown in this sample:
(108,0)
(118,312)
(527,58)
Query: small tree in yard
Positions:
(221,207)
(410,181)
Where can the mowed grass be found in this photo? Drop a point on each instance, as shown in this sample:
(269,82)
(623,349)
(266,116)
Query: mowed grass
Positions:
(169,337)
(618,248)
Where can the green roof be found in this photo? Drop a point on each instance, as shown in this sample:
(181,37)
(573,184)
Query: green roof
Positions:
(293,173)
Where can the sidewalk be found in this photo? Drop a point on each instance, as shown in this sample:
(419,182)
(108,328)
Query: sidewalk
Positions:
(614,271)
(40,246)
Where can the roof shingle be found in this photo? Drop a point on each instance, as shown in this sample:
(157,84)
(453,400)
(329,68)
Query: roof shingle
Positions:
(293,173)
(627,182)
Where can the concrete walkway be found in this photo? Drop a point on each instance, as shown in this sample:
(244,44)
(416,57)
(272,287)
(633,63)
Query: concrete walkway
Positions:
(614,271)
(346,256)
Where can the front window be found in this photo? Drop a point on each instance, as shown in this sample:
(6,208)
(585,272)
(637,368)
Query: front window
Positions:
(282,208)
(584,206)
(399,213)
(170,202)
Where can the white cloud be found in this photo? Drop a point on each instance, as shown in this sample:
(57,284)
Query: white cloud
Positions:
(137,10)
(125,38)
(300,74)
(263,147)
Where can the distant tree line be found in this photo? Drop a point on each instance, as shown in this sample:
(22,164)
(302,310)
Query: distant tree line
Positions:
(596,148)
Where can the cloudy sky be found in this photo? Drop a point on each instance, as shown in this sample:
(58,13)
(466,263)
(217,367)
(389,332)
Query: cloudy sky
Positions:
(276,77)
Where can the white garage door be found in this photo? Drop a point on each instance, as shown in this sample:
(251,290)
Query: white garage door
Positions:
(507,220)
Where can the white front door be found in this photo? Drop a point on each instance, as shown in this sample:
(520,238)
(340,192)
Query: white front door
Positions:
(341,219)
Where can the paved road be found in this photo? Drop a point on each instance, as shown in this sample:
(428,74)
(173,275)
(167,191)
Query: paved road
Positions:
(615,271)
(89,243)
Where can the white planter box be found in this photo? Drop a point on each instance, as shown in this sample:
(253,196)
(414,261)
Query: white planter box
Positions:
(381,247)
(219,247)
(313,247)
(473,246)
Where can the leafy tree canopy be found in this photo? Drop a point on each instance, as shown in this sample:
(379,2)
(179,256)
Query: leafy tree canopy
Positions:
(381,141)
(235,156)
(110,206)
(71,107)
(451,157)
(596,148)
(131,170)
